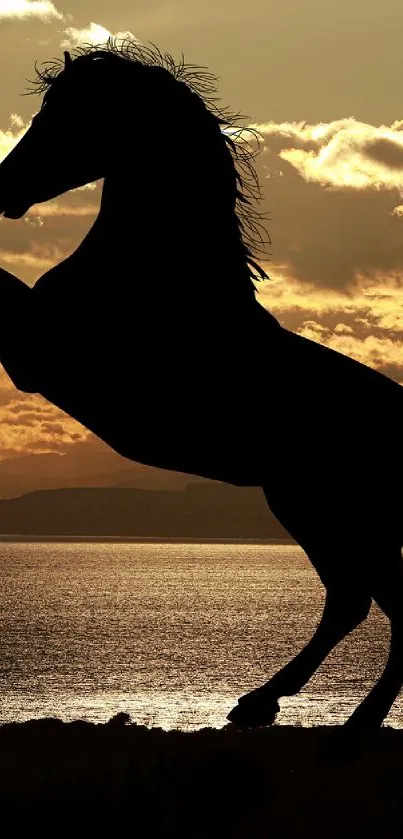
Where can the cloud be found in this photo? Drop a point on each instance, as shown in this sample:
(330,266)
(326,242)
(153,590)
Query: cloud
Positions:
(54,208)
(29,425)
(42,10)
(344,153)
(92,34)
(366,325)
(37,257)
(12,135)
(333,209)
(343,329)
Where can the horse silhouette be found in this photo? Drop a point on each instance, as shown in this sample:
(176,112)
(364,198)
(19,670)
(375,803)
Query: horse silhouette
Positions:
(150,335)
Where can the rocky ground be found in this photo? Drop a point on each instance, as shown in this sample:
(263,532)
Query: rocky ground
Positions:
(120,779)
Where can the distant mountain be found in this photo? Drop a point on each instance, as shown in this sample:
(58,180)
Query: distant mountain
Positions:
(85,466)
(202,510)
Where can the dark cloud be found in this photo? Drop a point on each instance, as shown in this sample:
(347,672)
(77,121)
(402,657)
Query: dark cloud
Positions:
(327,235)
(385,152)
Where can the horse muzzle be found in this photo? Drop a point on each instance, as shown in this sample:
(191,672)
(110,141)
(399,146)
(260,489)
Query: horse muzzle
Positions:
(14,192)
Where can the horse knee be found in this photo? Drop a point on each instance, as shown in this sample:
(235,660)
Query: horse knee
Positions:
(347,610)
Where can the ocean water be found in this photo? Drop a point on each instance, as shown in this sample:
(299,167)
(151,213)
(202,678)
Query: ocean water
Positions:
(172,634)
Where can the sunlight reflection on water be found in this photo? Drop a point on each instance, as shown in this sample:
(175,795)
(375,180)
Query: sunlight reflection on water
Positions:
(170,633)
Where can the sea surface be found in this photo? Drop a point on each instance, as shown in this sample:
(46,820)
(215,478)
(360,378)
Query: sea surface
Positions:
(172,634)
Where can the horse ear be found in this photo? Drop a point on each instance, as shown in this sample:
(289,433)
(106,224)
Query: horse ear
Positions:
(67,60)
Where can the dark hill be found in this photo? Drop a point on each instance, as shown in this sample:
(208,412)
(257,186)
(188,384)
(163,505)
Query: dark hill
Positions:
(84,466)
(206,510)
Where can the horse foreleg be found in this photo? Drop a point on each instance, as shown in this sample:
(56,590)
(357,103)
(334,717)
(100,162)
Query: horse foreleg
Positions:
(15,323)
(344,610)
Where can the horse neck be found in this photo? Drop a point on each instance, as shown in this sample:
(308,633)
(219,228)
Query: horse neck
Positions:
(166,244)
(111,236)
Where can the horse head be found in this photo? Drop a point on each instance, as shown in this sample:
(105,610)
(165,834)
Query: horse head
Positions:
(149,128)
(72,139)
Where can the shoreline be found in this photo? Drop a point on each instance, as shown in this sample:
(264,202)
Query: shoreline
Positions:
(158,540)
(272,783)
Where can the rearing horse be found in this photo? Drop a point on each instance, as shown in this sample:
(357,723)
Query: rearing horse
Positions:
(151,336)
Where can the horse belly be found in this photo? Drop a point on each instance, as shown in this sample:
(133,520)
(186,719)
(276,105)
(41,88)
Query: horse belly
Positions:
(178,433)
(194,446)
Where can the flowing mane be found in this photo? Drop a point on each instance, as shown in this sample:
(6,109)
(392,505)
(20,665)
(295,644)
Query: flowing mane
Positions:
(236,139)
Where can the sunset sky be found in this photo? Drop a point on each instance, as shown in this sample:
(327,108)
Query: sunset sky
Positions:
(323,84)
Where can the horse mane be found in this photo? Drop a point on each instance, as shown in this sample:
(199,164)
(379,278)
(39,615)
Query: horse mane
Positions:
(237,138)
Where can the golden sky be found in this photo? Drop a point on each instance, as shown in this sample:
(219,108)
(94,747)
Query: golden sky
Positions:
(323,86)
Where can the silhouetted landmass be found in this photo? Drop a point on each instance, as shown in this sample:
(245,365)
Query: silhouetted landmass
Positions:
(208,510)
(77,779)
(89,466)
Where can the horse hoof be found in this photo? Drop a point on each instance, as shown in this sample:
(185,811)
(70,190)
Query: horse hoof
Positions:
(254,713)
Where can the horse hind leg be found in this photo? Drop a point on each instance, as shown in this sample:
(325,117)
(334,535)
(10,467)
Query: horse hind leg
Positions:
(387,591)
(347,604)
